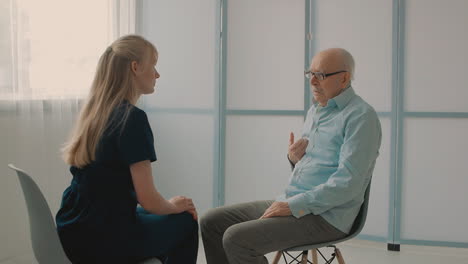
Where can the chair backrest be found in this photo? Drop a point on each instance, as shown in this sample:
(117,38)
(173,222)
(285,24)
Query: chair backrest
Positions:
(360,220)
(45,241)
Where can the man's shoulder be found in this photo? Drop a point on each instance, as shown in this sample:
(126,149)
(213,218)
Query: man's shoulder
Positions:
(358,106)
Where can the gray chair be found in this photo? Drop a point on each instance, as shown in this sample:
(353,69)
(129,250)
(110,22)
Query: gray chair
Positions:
(45,241)
(314,248)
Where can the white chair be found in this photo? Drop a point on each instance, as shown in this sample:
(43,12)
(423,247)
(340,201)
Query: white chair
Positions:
(45,241)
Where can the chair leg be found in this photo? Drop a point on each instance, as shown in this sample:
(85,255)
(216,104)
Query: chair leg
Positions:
(339,257)
(277,257)
(314,256)
(304,257)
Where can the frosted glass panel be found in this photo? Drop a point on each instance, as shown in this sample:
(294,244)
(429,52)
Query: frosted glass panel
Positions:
(377,216)
(435,55)
(184,147)
(256,164)
(364,28)
(265,56)
(434,199)
(184,33)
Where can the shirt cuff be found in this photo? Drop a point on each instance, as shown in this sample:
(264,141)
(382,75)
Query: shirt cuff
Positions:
(298,205)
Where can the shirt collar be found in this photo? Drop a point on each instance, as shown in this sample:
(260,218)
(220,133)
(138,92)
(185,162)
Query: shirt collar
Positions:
(344,97)
(340,100)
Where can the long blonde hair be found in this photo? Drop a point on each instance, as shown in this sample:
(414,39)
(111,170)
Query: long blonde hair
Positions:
(112,85)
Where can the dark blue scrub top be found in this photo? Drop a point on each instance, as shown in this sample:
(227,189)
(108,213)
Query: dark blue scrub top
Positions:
(101,197)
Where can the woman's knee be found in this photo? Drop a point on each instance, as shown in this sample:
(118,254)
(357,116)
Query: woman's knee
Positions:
(185,222)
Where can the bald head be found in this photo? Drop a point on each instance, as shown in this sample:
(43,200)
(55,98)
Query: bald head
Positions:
(335,59)
(333,71)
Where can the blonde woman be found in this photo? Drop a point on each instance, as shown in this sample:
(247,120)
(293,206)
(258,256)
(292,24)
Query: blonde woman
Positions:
(110,151)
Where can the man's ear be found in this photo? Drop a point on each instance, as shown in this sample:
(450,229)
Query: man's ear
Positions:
(346,79)
(134,66)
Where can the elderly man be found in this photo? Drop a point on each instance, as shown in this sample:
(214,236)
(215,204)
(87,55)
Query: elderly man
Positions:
(332,166)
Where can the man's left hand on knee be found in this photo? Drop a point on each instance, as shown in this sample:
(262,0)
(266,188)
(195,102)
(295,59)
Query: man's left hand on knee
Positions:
(277,209)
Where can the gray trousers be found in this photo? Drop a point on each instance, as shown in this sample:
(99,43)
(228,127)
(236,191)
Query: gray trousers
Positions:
(234,234)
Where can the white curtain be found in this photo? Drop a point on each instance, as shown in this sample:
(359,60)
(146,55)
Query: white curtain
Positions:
(48,55)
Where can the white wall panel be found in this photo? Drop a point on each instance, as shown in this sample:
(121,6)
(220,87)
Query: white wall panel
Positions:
(184,34)
(434,199)
(184,148)
(435,55)
(265,54)
(364,28)
(256,164)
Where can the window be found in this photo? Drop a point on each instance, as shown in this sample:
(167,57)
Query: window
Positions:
(5,46)
(50,48)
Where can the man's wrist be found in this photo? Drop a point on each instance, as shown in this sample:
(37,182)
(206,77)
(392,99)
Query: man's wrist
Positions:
(293,164)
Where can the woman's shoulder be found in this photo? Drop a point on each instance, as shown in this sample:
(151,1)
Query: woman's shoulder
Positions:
(125,115)
(127,110)
(133,109)
(136,114)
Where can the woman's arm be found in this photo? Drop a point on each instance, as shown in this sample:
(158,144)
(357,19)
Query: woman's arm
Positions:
(150,199)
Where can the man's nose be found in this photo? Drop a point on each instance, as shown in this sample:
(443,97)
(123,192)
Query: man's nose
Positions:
(313,80)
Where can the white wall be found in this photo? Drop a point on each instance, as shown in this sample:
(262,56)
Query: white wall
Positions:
(265,54)
(434,204)
(265,65)
(182,110)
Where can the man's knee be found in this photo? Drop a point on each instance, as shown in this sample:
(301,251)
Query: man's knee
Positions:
(234,237)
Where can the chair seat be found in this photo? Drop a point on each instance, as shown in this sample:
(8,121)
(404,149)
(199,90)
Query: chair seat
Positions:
(151,261)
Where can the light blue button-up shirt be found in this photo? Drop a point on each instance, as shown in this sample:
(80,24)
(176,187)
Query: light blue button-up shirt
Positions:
(331,178)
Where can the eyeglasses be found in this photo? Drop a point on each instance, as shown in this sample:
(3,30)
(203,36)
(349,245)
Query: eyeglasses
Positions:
(319,75)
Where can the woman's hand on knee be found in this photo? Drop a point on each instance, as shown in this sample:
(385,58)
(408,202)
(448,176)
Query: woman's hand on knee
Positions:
(182,204)
(194,214)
